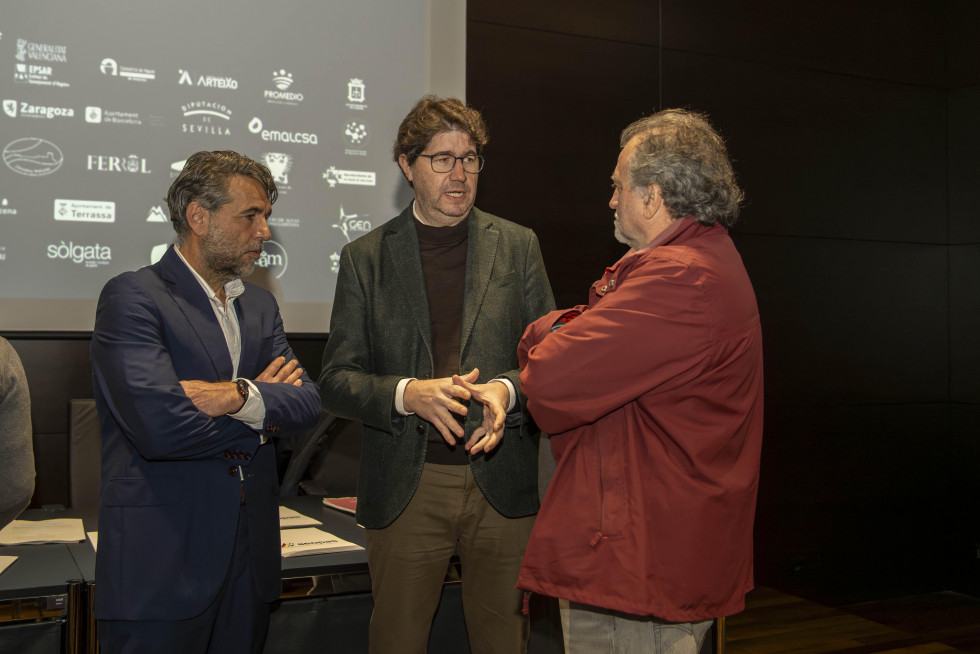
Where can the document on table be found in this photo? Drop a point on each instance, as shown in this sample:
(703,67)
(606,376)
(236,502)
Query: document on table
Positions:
(36,532)
(94,537)
(5,562)
(290,518)
(309,540)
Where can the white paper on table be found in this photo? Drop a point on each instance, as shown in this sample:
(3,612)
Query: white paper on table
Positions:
(309,540)
(94,537)
(5,562)
(36,532)
(289,518)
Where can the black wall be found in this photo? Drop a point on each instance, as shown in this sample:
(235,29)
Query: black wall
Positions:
(853,129)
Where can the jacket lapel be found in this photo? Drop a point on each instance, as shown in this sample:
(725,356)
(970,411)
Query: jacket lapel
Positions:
(196,307)
(481,251)
(402,244)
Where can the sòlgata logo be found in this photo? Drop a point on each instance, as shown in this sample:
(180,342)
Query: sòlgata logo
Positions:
(13,108)
(110,164)
(206,117)
(255,126)
(111,68)
(89,256)
(282,80)
(85,211)
(33,157)
(273,258)
(352,223)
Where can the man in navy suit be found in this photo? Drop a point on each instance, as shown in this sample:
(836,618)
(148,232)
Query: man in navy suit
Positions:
(192,376)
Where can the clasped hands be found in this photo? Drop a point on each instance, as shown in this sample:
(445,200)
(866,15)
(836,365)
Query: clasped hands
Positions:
(221,398)
(436,400)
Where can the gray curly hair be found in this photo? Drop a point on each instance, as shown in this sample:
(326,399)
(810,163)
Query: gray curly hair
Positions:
(680,152)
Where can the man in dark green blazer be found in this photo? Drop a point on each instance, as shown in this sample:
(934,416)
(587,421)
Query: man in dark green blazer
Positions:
(422,350)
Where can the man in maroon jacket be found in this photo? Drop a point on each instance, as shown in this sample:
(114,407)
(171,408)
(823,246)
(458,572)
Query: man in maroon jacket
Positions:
(653,395)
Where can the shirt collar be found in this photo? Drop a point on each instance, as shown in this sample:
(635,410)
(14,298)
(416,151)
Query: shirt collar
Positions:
(233,289)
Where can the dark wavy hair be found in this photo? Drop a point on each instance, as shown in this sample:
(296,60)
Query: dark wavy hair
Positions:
(205,179)
(432,115)
(679,151)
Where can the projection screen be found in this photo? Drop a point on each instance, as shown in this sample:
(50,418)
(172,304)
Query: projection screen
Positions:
(102,101)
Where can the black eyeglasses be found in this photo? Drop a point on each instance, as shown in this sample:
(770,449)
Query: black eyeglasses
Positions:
(443,163)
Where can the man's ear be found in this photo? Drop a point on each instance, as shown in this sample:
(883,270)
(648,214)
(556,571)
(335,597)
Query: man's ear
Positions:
(653,199)
(197,218)
(406,169)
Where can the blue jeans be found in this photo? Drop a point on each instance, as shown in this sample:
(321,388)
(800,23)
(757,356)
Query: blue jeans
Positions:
(594,630)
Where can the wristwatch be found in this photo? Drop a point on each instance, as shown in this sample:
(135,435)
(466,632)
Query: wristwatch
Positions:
(243,389)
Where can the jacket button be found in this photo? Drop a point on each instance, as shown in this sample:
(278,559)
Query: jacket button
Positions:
(420,429)
(227,454)
(248,457)
(233,471)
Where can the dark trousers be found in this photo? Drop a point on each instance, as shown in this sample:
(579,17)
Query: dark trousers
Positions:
(236,621)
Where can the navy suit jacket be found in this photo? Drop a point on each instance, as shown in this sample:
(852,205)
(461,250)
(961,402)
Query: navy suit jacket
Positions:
(171,491)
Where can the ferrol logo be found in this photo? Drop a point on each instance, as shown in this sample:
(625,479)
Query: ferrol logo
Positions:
(110,164)
(349,223)
(273,259)
(33,157)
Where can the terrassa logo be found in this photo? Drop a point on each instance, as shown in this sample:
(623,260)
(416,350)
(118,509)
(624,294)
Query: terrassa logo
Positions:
(33,157)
